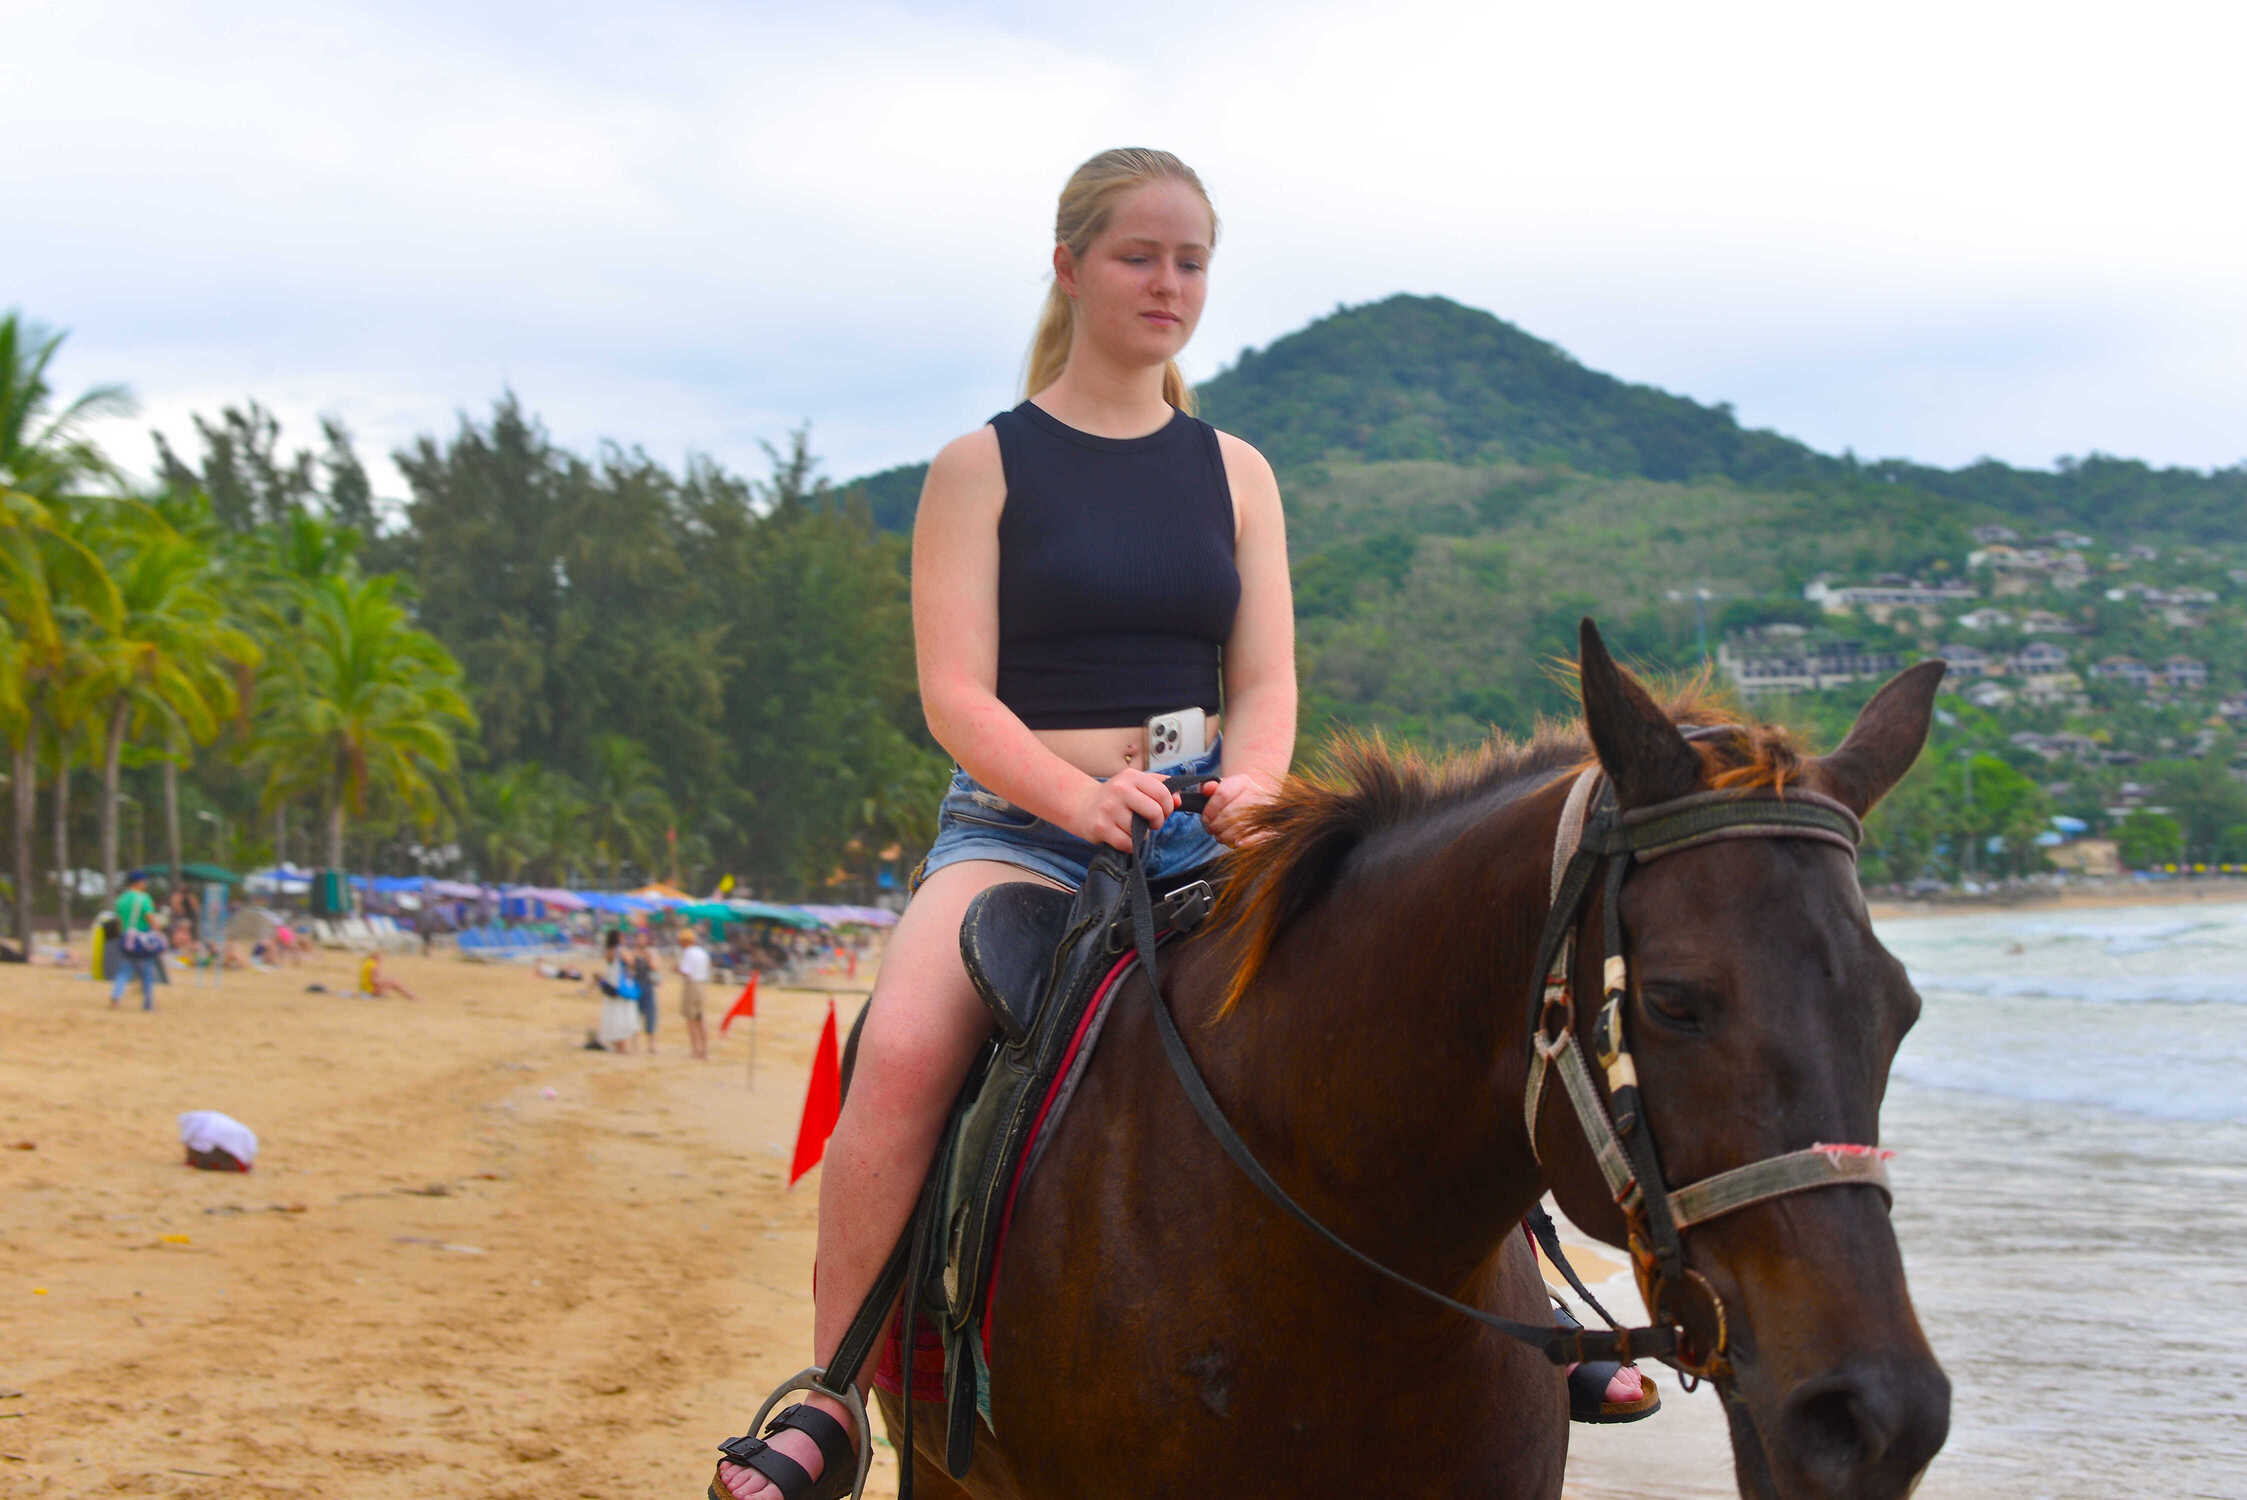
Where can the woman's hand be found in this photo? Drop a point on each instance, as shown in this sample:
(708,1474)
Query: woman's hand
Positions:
(1105,814)
(1232,800)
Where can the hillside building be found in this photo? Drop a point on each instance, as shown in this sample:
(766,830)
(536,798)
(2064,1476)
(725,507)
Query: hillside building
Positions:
(1989,693)
(1969,661)
(2186,674)
(1887,596)
(2127,670)
(1768,661)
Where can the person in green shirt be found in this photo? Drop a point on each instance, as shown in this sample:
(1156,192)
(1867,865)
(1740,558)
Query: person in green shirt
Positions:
(136,915)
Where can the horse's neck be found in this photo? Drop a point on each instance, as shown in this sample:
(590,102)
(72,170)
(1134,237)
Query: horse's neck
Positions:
(1386,1035)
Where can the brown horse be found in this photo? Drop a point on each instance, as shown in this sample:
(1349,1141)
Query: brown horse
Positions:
(1361,1011)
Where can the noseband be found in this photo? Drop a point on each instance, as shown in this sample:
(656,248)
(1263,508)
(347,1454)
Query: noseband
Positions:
(1609,845)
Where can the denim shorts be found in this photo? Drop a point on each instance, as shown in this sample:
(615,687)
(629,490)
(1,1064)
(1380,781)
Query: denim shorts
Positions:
(975,822)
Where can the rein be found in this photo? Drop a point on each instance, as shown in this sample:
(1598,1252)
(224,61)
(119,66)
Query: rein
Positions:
(1593,833)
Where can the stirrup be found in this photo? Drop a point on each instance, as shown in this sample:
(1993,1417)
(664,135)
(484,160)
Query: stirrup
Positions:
(1587,1386)
(740,1450)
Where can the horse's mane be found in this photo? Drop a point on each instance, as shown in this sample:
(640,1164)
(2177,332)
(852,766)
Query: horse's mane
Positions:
(1361,785)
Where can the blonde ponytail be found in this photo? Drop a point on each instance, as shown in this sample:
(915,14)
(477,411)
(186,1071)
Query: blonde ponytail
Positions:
(1175,389)
(1087,201)
(1049,346)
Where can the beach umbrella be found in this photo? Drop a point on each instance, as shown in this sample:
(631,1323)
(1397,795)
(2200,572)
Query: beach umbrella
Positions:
(280,880)
(763,911)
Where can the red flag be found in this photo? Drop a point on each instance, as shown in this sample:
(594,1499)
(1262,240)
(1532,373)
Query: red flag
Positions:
(823,1102)
(745,1006)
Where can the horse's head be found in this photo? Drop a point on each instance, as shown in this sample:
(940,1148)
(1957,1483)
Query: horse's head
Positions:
(1762,1014)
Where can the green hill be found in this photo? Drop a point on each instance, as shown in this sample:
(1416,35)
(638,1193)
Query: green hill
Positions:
(1425,378)
(1459,491)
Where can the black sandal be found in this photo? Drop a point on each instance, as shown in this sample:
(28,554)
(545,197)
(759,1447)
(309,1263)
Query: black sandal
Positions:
(792,1479)
(1587,1388)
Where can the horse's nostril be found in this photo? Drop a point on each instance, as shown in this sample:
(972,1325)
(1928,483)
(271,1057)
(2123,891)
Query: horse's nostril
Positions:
(1832,1431)
(1876,1424)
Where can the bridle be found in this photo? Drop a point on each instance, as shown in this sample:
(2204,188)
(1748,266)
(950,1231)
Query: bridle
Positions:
(1605,847)
(1597,838)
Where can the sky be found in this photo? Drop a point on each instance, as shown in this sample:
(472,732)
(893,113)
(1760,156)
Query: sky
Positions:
(1930,231)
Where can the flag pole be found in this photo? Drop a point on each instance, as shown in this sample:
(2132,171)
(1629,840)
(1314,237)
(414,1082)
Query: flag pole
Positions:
(752,1053)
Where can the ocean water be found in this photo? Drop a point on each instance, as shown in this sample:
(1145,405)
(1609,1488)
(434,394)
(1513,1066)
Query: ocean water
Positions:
(2070,1125)
(2070,1121)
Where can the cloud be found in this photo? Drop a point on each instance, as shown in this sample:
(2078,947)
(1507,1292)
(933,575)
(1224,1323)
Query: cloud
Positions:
(1927,231)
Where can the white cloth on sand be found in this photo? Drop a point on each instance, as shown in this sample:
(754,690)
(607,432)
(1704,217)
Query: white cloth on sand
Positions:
(208,1130)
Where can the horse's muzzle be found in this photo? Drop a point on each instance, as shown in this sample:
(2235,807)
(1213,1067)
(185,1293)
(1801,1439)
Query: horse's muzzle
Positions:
(1864,1431)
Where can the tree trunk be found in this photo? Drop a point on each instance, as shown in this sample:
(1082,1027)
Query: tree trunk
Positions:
(171,815)
(62,844)
(335,835)
(24,782)
(112,752)
(280,836)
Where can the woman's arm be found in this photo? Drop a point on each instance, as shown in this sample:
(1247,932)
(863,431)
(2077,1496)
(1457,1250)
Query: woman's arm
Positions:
(1260,654)
(956,650)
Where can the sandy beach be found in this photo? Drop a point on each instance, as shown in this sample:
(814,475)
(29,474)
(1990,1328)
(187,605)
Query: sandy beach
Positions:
(2098,895)
(473,1259)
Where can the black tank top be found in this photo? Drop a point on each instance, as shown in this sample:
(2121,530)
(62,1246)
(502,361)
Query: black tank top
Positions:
(1117,584)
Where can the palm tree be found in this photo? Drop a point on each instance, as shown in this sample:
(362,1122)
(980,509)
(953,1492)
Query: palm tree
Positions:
(174,659)
(58,601)
(521,816)
(54,592)
(361,702)
(45,454)
(625,806)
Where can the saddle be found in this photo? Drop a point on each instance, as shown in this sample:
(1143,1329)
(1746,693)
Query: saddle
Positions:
(1040,958)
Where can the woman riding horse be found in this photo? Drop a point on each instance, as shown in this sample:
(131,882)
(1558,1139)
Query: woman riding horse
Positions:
(1087,560)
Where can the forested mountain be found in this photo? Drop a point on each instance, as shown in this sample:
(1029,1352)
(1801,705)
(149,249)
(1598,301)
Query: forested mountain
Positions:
(1423,378)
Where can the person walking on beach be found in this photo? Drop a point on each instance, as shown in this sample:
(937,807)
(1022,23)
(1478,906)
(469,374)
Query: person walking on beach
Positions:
(138,942)
(643,980)
(694,973)
(1091,558)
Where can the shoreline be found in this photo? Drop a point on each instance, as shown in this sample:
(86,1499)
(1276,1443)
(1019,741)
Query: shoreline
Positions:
(2087,896)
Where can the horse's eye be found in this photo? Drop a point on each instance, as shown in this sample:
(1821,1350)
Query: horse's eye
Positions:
(1677,1006)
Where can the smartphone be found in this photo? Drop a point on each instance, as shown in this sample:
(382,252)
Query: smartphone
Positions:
(1176,739)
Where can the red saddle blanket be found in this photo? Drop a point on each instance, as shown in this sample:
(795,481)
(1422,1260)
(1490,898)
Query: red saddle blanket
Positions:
(928,1345)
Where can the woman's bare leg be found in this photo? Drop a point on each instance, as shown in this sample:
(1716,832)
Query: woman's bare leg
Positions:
(922,1032)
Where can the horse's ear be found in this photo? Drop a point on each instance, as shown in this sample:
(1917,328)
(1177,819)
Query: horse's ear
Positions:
(1886,738)
(1639,748)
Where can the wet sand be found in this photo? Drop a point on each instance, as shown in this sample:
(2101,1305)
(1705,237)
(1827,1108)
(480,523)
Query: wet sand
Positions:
(472,1260)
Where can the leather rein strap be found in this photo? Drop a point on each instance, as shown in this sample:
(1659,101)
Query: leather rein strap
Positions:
(1563,1346)
(1589,837)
